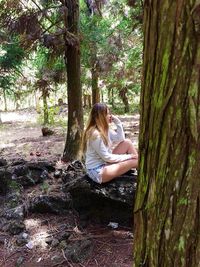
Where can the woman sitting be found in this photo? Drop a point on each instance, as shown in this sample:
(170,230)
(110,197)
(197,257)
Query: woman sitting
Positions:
(102,163)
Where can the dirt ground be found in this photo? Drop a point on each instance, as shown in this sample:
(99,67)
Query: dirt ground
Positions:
(21,137)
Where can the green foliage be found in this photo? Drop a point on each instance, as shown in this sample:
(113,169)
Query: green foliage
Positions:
(6,83)
(12,56)
(45,187)
(54,118)
(14,186)
(118,50)
(52,111)
(112,38)
(40,58)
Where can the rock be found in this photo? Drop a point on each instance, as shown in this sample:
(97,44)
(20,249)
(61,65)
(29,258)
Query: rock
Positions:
(79,250)
(73,170)
(18,161)
(28,174)
(3,162)
(20,172)
(22,239)
(16,227)
(46,131)
(49,204)
(13,198)
(5,179)
(107,202)
(15,213)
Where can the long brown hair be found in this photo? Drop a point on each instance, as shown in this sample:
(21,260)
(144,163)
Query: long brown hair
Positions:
(97,121)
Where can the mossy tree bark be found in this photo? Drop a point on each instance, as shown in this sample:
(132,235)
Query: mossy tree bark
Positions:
(75,109)
(167,207)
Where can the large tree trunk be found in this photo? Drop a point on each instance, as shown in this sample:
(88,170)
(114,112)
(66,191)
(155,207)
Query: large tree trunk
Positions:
(75,109)
(167,208)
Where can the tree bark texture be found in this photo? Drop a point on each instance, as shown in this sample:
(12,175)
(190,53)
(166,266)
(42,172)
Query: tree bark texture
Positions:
(95,75)
(123,95)
(94,8)
(75,110)
(167,207)
(5,100)
(45,108)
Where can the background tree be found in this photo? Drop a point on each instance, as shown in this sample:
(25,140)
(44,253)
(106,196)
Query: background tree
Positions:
(10,66)
(94,11)
(72,60)
(49,72)
(167,208)
(55,26)
(108,52)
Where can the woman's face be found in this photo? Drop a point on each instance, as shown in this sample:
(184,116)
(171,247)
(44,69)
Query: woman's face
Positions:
(109,116)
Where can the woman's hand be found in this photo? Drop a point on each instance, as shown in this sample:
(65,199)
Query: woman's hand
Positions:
(115,119)
(134,156)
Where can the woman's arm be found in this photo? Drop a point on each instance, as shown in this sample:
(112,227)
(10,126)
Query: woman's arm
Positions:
(98,145)
(118,135)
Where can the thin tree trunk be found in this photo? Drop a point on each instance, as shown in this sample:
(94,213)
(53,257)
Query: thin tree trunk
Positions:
(94,9)
(5,100)
(123,96)
(75,109)
(109,94)
(45,108)
(95,74)
(112,98)
(167,208)
(95,87)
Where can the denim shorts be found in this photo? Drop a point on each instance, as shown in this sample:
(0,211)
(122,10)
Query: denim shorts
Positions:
(95,173)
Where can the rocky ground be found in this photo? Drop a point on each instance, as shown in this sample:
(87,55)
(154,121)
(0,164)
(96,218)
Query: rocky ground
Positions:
(45,235)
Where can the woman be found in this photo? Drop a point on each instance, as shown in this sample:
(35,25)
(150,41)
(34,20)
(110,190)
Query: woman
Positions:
(102,163)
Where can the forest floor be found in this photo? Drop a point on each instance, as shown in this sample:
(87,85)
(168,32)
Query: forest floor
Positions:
(21,137)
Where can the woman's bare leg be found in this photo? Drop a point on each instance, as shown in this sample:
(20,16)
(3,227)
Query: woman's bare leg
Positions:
(125,147)
(112,171)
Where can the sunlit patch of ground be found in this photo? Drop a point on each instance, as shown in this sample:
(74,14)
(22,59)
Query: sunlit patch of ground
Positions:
(39,234)
(21,136)
(19,117)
